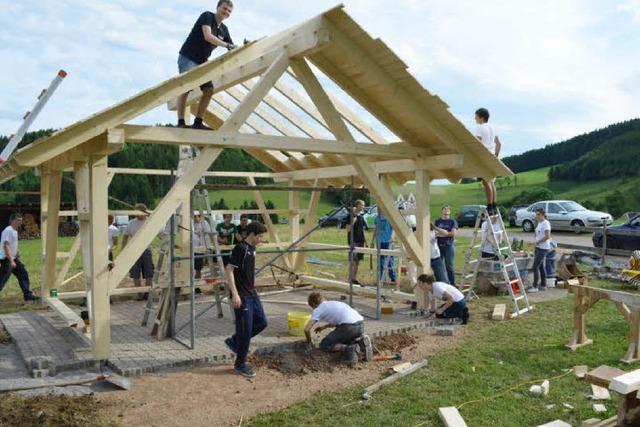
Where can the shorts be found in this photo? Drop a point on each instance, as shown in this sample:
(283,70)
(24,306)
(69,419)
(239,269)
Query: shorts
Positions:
(342,334)
(357,256)
(185,64)
(144,266)
(198,263)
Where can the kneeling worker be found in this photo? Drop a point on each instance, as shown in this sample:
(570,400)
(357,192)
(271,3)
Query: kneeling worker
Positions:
(348,324)
(455,305)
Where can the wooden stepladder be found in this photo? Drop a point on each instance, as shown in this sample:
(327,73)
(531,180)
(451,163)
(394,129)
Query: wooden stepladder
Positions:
(496,235)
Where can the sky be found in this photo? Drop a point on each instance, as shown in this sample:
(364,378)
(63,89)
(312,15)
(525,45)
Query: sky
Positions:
(546,69)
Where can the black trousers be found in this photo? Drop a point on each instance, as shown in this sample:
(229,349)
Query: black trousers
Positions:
(19,271)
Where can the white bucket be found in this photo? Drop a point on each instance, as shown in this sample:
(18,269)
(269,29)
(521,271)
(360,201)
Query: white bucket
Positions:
(551,282)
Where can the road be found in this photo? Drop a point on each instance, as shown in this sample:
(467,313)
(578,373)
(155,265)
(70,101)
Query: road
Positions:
(569,238)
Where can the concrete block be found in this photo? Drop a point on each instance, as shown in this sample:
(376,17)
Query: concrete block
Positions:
(39,373)
(599,407)
(499,312)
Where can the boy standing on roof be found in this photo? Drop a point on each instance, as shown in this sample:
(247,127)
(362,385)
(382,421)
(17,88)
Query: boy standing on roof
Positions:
(207,33)
(490,140)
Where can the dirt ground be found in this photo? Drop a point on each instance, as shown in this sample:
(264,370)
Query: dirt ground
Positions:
(52,412)
(216,396)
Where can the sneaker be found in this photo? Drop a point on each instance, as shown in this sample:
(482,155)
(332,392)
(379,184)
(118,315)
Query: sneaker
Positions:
(351,354)
(31,297)
(200,126)
(354,282)
(465,316)
(229,343)
(245,371)
(533,290)
(182,124)
(366,348)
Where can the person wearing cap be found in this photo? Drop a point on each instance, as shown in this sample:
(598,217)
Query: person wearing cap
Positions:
(10,258)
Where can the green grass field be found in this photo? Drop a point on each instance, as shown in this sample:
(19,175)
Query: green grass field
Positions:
(457,195)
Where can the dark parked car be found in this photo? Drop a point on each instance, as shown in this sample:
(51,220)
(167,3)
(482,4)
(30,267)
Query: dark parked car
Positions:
(467,215)
(512,214)
(625,236)
(338,220)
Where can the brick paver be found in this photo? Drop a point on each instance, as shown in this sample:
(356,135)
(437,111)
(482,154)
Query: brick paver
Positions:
(134,350)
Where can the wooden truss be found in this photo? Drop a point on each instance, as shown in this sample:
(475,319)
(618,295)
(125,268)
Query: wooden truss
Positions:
(255,110)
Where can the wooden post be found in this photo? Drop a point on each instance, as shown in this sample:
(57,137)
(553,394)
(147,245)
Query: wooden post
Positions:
(633,351)
(51,182)
(294,220)
(423,230)
(309,223)
(583,303)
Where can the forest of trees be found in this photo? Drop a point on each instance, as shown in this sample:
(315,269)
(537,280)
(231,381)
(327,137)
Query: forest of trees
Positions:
(571,149)
(134,188)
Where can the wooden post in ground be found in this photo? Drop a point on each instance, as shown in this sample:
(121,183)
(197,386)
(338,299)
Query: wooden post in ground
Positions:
(309,223)
(294,221)
(583,303)
(51,182)
(633,351)
(423,230)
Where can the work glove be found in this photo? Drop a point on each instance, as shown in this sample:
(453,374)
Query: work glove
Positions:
(231,46)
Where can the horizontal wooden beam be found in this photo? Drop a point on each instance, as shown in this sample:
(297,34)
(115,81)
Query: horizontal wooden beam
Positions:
(167,172)
(177,136)
(109,142)
(319,281)
(69,316)
(434,164)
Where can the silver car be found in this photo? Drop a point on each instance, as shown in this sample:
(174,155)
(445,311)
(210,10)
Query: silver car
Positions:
(563,215)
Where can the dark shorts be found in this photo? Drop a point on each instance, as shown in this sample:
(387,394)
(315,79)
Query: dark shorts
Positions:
(357,256)
(143,266)
(185,64)
(198,263)
(342,334)
(110,260)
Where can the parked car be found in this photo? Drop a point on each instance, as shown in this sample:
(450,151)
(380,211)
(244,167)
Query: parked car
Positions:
(340,219)
(512,214)
(625,236)
(563,215)
(371,215)
(467,215)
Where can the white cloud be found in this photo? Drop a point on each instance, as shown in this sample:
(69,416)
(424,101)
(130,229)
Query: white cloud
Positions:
(550,68)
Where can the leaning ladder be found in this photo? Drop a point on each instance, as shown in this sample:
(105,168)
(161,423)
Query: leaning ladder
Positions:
(30,116)
(496,234)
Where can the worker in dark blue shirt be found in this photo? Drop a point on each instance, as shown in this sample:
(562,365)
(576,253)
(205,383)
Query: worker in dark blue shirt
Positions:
(207,33)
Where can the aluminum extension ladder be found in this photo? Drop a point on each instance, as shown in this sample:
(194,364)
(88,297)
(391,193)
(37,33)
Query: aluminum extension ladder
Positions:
(30,116)
(496,234)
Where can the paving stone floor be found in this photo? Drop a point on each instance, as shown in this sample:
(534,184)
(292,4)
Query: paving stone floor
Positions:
(134,351)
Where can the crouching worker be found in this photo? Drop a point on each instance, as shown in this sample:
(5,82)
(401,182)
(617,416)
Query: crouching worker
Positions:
(250,317)
(348,336)
(455,305)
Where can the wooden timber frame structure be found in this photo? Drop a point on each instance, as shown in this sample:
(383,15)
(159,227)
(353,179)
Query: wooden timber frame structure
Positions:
(433,145)
(627,304)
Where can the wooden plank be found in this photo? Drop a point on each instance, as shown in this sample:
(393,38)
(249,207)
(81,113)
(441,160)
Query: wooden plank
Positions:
(368,291)
(631,300)
(225,71)
(361,250)
(451,417)
(167,172)
(51,221)
(309,224)
(499,311)
(423,230)
(365,171)
(626,383)
(602,375)
(180,191)
(432,163)
(69,316)
(177,136)
(294,221)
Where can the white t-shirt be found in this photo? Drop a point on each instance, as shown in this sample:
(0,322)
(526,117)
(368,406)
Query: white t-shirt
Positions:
(487,246)
(439,288)
(199,230)
(435,250)
(540,229)
(10,235)
(487,136)
(133,227)
(335,313)
(112,232)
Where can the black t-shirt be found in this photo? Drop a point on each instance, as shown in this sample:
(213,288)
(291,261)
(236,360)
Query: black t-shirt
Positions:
(243,258)
(359,225)
(196,48)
